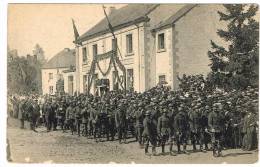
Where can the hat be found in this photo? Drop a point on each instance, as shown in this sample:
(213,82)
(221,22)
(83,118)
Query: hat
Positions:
(147,112)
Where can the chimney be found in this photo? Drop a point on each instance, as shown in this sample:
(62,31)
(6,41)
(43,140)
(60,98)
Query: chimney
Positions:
(111,9)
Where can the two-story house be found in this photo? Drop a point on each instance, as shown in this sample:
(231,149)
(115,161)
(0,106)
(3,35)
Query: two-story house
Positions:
(156,42)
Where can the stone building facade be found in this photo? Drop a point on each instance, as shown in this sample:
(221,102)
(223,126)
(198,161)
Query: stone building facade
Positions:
(156,43)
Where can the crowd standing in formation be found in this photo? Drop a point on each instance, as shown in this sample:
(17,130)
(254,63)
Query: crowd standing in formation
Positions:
(214,120)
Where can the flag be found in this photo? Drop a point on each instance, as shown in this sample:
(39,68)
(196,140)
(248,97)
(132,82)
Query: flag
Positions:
(76,33)
(109,24)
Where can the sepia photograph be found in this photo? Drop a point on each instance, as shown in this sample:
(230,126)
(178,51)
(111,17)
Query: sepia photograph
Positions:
(132,83)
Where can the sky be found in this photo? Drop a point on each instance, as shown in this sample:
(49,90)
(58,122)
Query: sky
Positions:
(49,25)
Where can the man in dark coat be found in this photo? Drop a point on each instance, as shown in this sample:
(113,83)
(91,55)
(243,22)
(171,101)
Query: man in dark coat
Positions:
(120,118)
(49,115)
(35,115)
(181,129)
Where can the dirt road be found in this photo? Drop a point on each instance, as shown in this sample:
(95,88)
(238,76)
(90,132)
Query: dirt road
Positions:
(56,147)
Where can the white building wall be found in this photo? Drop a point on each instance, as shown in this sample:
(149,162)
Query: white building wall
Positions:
(133,61)
(163,65)
(66,81)
(46,82)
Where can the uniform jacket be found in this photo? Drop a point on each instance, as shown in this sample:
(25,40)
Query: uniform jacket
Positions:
(163,127)
(215,121)
(149,128)
(70,113)
(181,122)
(195,122)
(120,118)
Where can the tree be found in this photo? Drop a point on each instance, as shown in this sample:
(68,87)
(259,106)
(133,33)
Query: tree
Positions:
(237,65)
(23,75)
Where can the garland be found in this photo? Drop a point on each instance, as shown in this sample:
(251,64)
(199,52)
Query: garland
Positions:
(108,70)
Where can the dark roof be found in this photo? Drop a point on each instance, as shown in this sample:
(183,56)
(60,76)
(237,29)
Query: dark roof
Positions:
(65,58)
(172,19)
(122,17)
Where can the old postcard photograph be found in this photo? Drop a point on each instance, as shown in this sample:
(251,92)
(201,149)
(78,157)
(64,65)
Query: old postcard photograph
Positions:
(149,83)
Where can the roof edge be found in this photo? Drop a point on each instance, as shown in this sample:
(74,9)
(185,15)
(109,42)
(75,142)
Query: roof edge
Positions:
(175,20)
(139,20)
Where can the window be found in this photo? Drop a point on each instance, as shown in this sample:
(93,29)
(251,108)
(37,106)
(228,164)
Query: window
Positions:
(162,79)
(114,43)
(129,43)
(71,78)
(84,55)
(130,79)
(50,76)
(94,50)
(161,44)
(51,89)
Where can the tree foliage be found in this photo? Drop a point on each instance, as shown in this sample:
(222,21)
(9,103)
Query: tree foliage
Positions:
(23,74)
(236,66)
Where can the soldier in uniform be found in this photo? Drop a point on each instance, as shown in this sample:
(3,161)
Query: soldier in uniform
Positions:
(70,116)
(204,125)
(54,119)
(111,122)
(96,123)
(78,119)
(163,128)
(196,128)
(35,115)
(139,117)
(85,117)
(91,111)
(120,118)
(171,115)
(49,115)
(149,133)
(61,115)
(215,126)
(181,128)
(104,121)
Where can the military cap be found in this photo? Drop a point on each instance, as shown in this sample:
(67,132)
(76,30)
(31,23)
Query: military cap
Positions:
(147,112)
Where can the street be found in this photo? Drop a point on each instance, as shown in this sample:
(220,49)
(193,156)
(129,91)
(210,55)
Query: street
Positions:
(56,147)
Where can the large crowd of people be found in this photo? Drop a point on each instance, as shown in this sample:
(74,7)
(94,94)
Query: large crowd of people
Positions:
(194,115)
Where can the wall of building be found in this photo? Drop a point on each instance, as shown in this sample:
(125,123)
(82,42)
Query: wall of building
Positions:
(192,34)
(66,81)
(46,82)
(163,57)
(133,61)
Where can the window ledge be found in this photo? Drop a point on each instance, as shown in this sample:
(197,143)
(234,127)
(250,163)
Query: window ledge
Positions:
(161,50)
(129,54)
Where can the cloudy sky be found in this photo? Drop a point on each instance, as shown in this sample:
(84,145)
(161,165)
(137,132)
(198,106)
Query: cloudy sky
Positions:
(49,25)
